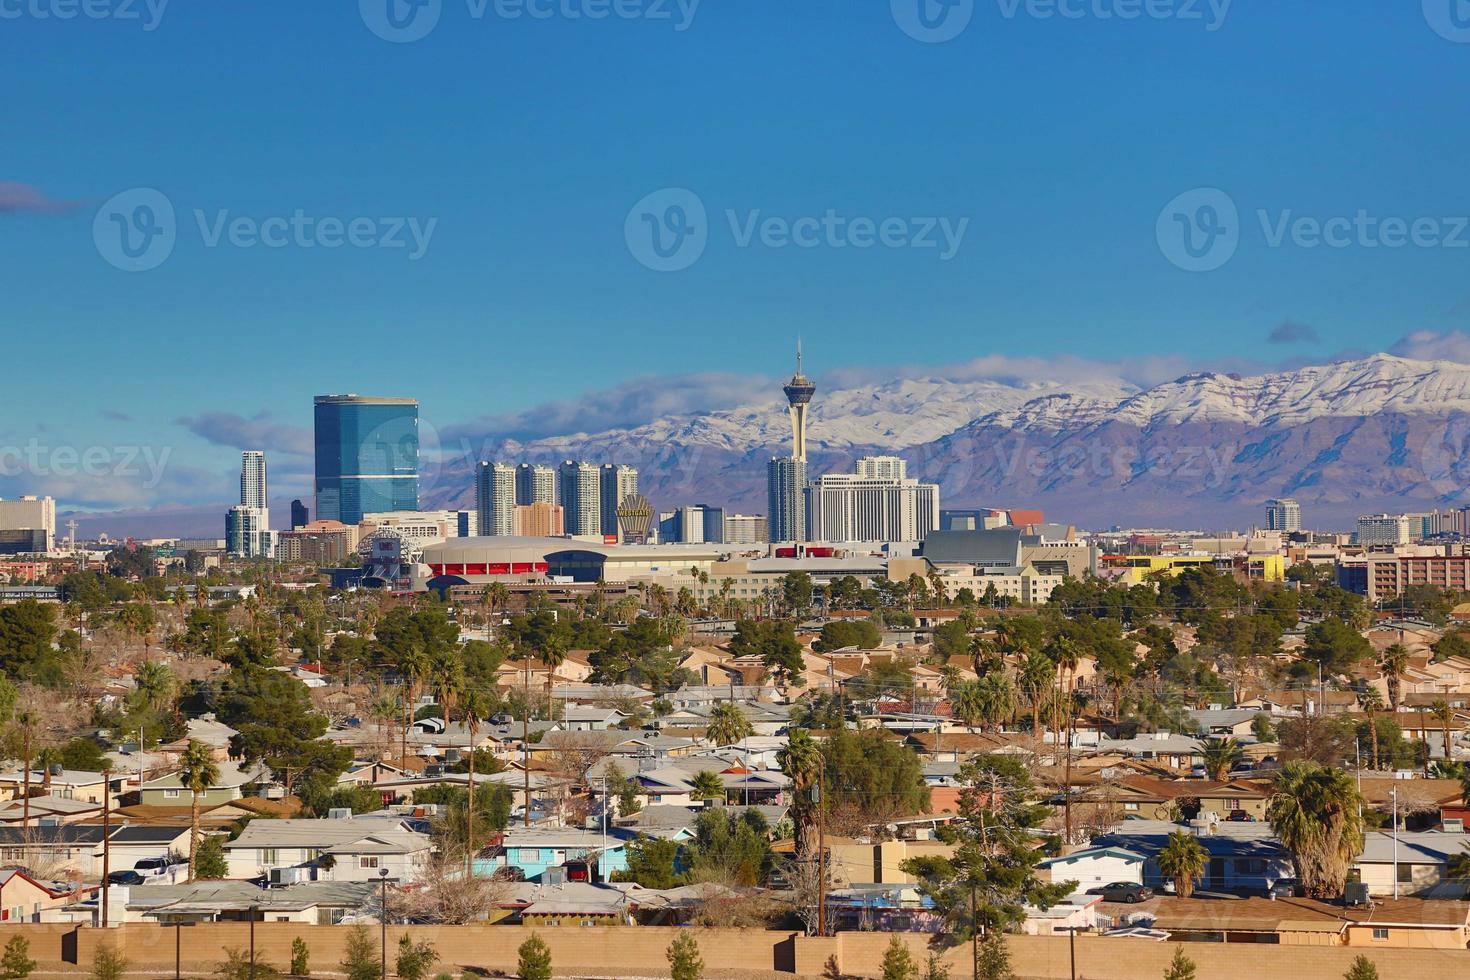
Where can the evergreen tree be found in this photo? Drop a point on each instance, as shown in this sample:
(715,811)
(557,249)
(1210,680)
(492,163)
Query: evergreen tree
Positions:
(995,957)
(209,859)
(16,963)
(1181,967)
(109,964)
(414,958)
(300,958)
(535,959)
(362,961)
(685,963)
(935,970)
(898,962)
(1362,969)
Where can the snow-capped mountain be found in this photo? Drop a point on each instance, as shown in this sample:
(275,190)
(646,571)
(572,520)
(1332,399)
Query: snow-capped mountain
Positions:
(1205,449)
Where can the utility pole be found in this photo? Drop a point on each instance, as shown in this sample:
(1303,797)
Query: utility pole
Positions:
(822,853)
(525,749)
(974,932)
(1395,794)
(106,836)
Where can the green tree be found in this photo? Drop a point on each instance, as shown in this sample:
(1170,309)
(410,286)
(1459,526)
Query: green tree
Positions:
(300,958)
(842,633)
(996,849)
(934,968)
(1183,859)
(209,859)
(796,591)
(1336,645)
(1181,967)
(361,962)
(109,964)
(237,965)
(871,779)
(1314,811)
(16,962)
(1393,662)
(1362,969)
(1262,729)
(414,958)
(652,863)
(685,963)
(707,786)
(1218,755)
(801,761)
(82,754)
(995,957)
(728,848)
(534,959)
(898,962)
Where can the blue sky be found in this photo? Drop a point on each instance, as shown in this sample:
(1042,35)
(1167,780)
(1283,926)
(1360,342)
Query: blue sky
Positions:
(526,141)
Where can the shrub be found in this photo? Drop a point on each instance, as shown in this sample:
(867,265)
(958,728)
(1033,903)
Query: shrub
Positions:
(300,958)
(236,966)
(16,963)
(898,962)
(1181,967)
(685,962)
(108,964)
(414,958)
(362,961)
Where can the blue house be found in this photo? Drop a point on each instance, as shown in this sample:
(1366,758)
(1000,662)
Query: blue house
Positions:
(1243,857)
(591,856)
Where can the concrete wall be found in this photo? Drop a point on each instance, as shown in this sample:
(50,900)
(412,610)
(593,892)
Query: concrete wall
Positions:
(640,951)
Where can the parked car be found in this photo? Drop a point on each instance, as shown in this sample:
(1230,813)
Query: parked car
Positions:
(1286,888)
(125,877)
(1123,891)
(1239,816)
(1246,766)
(154,867)
(1198,771)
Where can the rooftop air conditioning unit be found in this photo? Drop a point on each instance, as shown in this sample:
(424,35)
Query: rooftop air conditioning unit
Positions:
(288,876)
(340,813)
(1454,825)
(1356,893)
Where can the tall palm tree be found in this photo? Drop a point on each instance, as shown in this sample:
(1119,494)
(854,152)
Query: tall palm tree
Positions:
(414,665)
(1314,812)
(801,760)
(997,698)
(198,772)
(1038,674)
(156,684)
(1372,702)
(1184,860)
(471,710)
(553,655)
(727,724)
(1442,713)
(1394,661)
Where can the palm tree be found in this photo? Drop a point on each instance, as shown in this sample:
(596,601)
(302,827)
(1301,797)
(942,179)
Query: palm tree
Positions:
(1372,702)
(1038,674)
(801,760)
(27,722)
(156,684)
(1314,812)
(1184,860)
(1457,868)
(553,655)
(727,724)
(707,785)
(996,696)
(1219,754)
(198,772)
(413,664)
(1394,661)
(1442,713)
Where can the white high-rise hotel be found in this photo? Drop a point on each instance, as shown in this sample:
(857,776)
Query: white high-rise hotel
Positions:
(862,506)
(248,531)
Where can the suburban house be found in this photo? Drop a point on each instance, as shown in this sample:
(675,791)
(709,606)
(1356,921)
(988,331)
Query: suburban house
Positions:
(331,849)
(225,900)
(70,784)
(1095,866)
(1243,857)
(1167,799)
(24,898)
(585,718)
(1417,860)
(170,790)
(1405,923)
(58,809)
(130,844)
(75,846)
(537,850)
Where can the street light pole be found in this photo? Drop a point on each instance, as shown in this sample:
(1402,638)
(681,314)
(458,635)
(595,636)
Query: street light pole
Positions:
(252,942)
(1395,794)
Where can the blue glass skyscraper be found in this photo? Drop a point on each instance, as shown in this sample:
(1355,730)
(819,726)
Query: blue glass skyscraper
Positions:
(367,456)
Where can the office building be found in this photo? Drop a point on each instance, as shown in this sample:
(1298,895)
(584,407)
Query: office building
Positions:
(538,521)
(746,529)
(697,524)
(852,507)
(367,456)
(618,484)
(883,468)
(579,486)
(785,501)
(30,514)
(321,543)
(1284,515)
(1383,529)
(535,484)
(252,480)
(495,498)
(300,516)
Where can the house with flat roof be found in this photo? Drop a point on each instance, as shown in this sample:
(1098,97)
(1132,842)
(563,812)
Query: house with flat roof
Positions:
(355,848)
(536,850)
